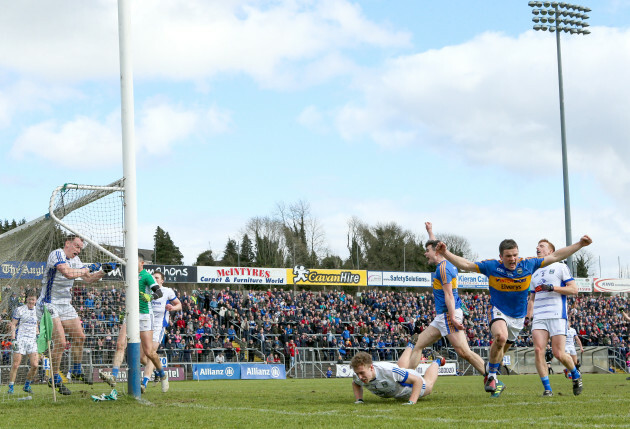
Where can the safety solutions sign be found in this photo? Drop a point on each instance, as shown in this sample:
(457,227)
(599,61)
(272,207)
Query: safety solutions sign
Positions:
(300,275)
(242,275)
(398,278)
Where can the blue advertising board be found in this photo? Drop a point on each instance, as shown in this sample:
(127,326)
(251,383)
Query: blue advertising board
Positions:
(262,372)
(216,371)
(22,270)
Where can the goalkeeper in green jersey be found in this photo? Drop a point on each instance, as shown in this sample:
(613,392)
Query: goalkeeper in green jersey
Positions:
(149,289)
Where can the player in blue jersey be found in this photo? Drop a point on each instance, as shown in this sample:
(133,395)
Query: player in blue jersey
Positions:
(548,310)
(449,317)
(509,279)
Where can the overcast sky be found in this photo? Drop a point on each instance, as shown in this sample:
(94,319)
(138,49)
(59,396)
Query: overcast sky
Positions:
(400,111)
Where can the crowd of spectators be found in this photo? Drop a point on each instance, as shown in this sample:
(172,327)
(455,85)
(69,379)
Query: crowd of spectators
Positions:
(276,323)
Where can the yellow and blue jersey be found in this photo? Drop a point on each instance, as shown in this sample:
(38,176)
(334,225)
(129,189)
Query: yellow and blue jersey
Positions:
(444,273)
(509,288)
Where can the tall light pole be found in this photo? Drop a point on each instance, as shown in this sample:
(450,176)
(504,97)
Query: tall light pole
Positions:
(558,17)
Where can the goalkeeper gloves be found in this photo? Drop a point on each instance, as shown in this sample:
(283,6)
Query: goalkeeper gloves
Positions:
(94,267)
(544,288)
(157,292)
(108,267)
(359,401)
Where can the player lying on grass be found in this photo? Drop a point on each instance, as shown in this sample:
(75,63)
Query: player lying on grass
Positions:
(389,380)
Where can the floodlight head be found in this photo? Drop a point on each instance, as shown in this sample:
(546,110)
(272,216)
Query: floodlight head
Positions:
(585,24)
(546,4)
(539,4)
(551,20)
(552,12)
(562,4)
(535,11)
(586,9)
(585,16)
(543,20)
(531,4)
(574,30)
(536,19)
(537,27)
(545,28)
(585,32)
(552,29)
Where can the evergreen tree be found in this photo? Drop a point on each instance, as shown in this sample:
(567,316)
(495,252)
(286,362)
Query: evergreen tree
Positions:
(205,259)
(166,252)
(230,255)
(246,253)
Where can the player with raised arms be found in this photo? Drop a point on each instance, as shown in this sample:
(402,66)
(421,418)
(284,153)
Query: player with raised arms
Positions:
(389,380)
(548,306)
(509,279)
(448,321)
(23,332)
(62,268)
(161,317)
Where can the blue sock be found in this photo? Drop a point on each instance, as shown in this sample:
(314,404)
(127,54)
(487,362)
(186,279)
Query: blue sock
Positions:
(156,374)
(115,371)
(575,374)
(410,345)
(76,368)
(58,379)
(493,368)
(145,380)
(161,373)
(10,385)
(545,382)
(26,383)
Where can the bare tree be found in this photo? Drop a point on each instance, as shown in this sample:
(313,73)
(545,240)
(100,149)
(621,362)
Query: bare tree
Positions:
(458,245)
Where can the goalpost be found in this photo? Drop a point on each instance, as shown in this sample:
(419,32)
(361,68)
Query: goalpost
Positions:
(22,250)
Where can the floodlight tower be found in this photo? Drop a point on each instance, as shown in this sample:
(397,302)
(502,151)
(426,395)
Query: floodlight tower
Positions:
(558,17)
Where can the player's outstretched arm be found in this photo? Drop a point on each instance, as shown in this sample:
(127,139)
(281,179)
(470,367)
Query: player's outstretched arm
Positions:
(458,261)
(416,388)
(565,252)
(429,227)
(358,393)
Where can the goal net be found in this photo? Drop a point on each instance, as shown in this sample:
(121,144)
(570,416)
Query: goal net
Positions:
(92,216)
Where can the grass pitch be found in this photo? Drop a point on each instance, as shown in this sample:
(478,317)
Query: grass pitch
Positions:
(455,402)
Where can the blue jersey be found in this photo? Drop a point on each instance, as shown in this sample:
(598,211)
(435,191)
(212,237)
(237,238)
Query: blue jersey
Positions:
(509,289)
(444,273)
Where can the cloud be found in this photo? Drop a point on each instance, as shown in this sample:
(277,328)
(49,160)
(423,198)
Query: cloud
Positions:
(494,101)
(82,141)
(485,228)
(188,39)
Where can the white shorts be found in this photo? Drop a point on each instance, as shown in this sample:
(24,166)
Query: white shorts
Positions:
(62,311)
(406,393)
(570,349)
(514,325)
(442,323)
(553,326)
(158,333)
(26,347)
(146,322)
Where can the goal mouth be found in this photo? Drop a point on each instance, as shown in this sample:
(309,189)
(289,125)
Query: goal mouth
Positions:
(93,213)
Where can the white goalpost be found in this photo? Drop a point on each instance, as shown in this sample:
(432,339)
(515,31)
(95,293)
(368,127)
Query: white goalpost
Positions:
(131,211)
